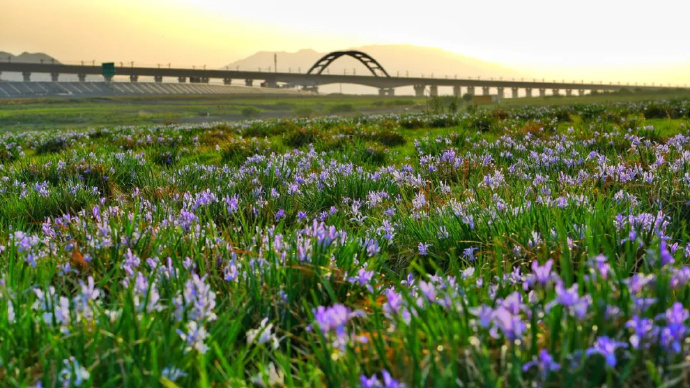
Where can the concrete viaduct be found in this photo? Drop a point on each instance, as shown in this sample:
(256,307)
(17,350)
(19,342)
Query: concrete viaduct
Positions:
(315,77)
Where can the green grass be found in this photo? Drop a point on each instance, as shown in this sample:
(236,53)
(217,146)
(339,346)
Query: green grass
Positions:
(419,224)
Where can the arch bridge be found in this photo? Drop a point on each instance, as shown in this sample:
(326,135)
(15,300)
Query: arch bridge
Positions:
(379,78)
(374,67)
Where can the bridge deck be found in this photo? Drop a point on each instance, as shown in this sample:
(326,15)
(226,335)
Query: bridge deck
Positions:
(96,89)
(314,79)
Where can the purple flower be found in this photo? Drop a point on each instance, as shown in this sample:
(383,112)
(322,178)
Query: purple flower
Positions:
(540,275)
(428,290)
(197,300)
(423,249)
(280,214)
(369,382)
(675,331)
(643,331)
(484,313)
(334,318)
(666,256)
(468,253)
(232,203)
(194,337)
(679,277)
(510,324)
(374,382)
(372,247)
(544,362)
(363,278)
(607,348)
(570,299)
(601,266)
(394,306)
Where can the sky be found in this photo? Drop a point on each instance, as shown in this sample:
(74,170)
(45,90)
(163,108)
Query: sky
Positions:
(602,39)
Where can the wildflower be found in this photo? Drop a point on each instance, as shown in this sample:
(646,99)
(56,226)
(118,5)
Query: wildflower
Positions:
(279,214)
(194,337)
(419,201)
(428,290)
(197,300)
(666,256)
(232,203)
(372,247)
(334,318)
(363,278)
(73,374)
(644,331)
(172,374)
(374,382)
(544,363)
(541,275)
(601,266)
(394,306)
(468,253)
(484,313)
(272,377)
(607,348)
(423,249)
(467,273)
(510,324)
(675,331)
(263,335)
(443,233)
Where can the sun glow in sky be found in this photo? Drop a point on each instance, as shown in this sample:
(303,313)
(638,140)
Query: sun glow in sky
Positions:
(570,38)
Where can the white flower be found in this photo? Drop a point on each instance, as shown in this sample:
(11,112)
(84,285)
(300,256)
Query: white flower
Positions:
(72,369)
(263,333)
(275,377)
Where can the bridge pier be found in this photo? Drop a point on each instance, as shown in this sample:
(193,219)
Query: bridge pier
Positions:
(54,77)
(419,90)
(581,92)
(158,78)
(528,92)
(133,78)
(542,92)
(27,76)
(227,81)
(514,93)
(485,90)
(457,91)
(82,77)
(248,82)
(181,79)
(500,92)
(555,92)
(433,91)
(470,90)
(386,92)
(270,83)
(568,92)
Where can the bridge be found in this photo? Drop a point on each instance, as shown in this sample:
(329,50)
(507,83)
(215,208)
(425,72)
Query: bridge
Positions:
(311,80)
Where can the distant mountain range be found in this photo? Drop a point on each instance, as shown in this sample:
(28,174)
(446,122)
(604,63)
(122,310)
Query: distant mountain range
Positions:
(27,57)
(397,59)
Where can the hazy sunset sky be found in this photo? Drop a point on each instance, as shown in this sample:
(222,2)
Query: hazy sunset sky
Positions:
(588,38)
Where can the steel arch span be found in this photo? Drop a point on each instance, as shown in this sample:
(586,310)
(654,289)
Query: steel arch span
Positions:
(374,67)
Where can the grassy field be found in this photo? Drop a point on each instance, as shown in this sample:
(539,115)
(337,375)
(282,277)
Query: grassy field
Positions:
(36,114)
(505,246)
(91,112)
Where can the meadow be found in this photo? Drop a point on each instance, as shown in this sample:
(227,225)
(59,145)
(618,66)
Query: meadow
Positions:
(511,246)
